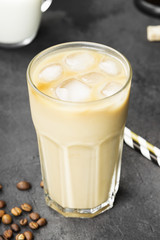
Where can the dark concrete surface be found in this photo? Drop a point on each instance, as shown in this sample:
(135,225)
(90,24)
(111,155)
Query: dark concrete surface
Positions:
(136,214)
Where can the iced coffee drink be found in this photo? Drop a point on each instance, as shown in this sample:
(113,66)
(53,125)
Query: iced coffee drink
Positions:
(79,95)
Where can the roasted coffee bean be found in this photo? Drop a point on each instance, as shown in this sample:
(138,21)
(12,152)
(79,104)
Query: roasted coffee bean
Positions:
(15,227)
(34,216)
(26,207)
(41,184)
(33,225)
(28,235)
(2,212)
(16,211)
(42,222)
(23,222)
(2,237)
(8,233)
(1,187)
(20,236)
(6,219)
(23,185)
(2,204)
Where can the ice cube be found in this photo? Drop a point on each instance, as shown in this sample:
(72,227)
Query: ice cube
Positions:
(93,78)
(50,73)
(111,88)
(79,61)
(62,93)
(110,66)
(73,90)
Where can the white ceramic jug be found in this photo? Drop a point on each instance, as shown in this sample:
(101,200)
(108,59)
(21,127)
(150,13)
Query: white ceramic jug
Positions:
(20,20)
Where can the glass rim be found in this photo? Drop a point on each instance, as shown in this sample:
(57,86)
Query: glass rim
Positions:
(85,44)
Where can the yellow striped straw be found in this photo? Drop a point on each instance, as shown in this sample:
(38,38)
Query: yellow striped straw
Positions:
(140,144)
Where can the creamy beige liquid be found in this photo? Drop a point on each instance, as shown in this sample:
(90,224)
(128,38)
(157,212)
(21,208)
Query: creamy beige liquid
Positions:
(80,134)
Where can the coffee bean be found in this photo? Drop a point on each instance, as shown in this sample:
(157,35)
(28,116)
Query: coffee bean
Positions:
(20,236)
(2,204)
(42,222)
(23,185)
(6,219)
(2,237)
(23,222)
(1,187)
(41,184)
(2,212)
(8,233)
(16,211)
(34,216)
(28,235)
(15,227)
(33,225)
(26,207)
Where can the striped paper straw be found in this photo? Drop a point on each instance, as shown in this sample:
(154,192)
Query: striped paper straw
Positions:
(138,143)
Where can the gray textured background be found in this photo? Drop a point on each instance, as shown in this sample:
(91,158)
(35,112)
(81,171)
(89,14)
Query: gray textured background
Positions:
(136,214)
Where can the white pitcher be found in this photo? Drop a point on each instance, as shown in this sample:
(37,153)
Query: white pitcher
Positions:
(20,20)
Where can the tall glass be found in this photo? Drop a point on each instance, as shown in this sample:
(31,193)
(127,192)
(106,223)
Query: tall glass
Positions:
(80,144)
